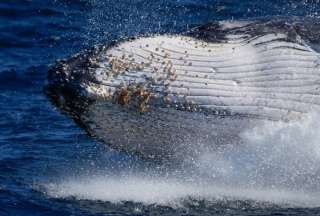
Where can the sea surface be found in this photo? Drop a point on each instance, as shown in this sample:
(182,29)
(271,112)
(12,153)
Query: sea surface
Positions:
(50,166)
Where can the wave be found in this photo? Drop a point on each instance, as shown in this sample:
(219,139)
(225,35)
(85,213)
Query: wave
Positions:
(31,77)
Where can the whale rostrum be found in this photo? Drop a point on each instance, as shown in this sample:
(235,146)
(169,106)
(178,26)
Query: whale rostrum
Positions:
(175,96)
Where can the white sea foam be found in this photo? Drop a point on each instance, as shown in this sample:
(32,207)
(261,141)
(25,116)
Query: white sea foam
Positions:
(170,191)
(279,163)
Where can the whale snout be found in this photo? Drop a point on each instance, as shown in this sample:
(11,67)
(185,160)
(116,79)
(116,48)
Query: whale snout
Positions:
(61,87)
(69,81)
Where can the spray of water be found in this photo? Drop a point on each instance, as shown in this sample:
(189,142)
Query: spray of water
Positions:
(278,162)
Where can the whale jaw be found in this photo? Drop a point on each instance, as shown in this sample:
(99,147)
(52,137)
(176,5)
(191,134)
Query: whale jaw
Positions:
(162,95)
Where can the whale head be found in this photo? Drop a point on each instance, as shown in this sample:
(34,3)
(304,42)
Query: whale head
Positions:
(160,94)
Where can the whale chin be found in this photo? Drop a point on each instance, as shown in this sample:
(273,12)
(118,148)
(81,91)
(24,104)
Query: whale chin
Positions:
(176,96)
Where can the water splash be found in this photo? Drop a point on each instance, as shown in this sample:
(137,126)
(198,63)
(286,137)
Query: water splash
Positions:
(170,192)
(276,154)
(279,163)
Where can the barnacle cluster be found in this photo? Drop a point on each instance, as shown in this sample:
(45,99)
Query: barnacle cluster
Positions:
(157,80)
(121,65)
(133,96)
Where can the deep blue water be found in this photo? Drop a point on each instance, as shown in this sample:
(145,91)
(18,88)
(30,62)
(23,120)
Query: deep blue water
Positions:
(44,155)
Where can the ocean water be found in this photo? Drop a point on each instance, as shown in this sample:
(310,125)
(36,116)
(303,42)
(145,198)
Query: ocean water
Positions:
(49,166)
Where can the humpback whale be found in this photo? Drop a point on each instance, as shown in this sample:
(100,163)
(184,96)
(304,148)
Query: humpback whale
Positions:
(174,96)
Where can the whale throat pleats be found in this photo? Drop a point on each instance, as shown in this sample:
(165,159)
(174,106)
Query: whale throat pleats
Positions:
(266,76)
